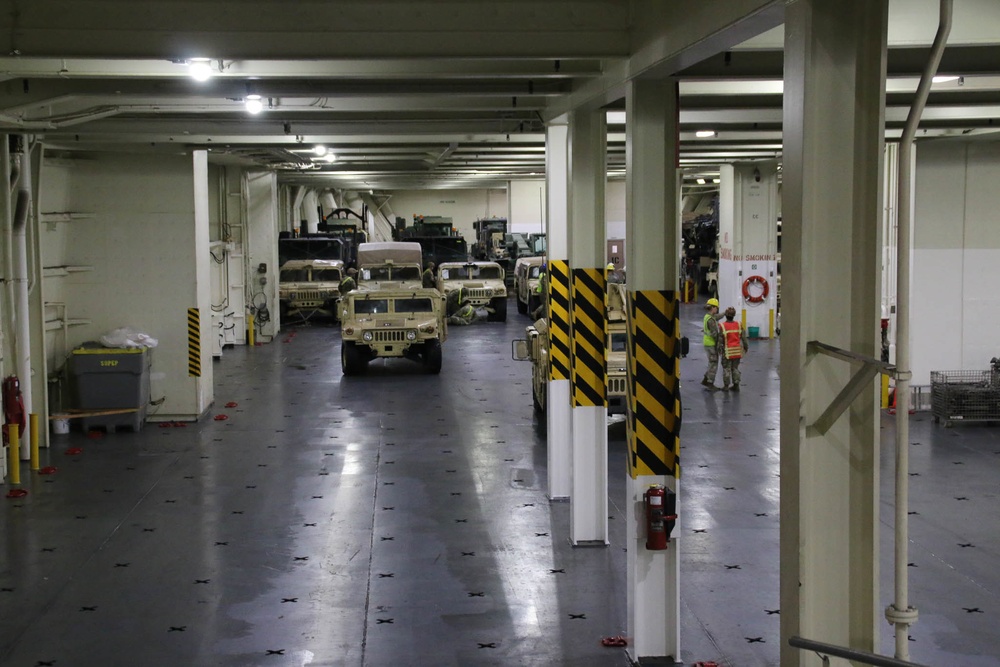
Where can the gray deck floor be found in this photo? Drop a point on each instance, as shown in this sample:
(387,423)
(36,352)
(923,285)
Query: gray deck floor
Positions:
(401,519)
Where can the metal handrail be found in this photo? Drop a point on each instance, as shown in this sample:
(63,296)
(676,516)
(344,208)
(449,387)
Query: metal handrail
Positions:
(865,657)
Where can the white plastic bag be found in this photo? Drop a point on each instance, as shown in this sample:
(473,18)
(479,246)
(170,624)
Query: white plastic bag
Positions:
(128,337)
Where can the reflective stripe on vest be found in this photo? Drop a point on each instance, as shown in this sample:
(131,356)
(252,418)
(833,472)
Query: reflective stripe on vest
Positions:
(734,343)
(709,339)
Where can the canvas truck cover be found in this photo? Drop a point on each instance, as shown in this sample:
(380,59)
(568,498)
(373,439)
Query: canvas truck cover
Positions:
(398,252)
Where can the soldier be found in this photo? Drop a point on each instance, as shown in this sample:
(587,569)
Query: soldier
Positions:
(710,328)
(466,314)
(348,283)
(732,346)
(428,276)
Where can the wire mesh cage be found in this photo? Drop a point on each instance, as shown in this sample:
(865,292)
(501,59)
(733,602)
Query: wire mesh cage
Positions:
(962,396)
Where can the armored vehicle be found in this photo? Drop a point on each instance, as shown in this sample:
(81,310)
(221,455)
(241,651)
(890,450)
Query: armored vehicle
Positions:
(390,314)
(309,287)
(480,283)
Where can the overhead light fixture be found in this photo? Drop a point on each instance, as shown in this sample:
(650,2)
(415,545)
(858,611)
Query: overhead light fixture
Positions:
(944,78)
(716,180)
(253,103)
(701,181)
(200,69)
(330,157)
(704,134)
(319,149)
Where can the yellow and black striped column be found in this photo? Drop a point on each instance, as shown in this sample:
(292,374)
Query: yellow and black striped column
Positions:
(194,342)
(590,323)
(559,343)
(654,383)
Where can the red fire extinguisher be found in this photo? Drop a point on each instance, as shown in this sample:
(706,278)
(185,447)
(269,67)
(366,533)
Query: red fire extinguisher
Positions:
(13,405)
(661,508)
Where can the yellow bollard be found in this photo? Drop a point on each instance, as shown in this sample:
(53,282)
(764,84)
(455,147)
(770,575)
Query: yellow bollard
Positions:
(33,425)
(885,391)
(250,332)
(13,438)
(770,323)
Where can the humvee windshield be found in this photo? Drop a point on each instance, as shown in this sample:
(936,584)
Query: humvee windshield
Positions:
(371,306)
(391,273)
(618,341)
(293,275)
(472,271)
(412,306)
(534,271)
(403,305)
(326,275)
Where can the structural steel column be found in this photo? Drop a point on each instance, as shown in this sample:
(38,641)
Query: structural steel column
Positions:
(834,50)
(652,231)
(587,248)
(559,425)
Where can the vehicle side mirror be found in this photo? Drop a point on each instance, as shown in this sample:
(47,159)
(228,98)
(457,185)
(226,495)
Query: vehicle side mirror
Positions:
(519,349)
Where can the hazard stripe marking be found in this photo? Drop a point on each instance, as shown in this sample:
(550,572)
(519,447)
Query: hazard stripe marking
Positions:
(559,336)
(194,342)
(590,323)
(653,383)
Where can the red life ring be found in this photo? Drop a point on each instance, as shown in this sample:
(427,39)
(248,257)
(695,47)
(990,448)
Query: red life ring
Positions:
(755,280)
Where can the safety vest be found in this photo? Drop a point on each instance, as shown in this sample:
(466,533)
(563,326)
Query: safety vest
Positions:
(731,332)
(709,340)
(347,284)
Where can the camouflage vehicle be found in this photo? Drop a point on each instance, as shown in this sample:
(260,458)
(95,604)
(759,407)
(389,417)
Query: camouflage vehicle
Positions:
(526,274)
(308,287)
(480,283)
(390,314)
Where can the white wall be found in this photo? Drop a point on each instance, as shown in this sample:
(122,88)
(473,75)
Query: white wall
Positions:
(141,243)
(614,209)
(955,304)
(527,206)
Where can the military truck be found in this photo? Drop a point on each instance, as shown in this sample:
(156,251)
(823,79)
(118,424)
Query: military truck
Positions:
(390,314)
(480,283)
(309,287)
(526,275)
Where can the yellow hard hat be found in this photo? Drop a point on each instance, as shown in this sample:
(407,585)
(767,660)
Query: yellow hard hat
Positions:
(712,302)
(610,267)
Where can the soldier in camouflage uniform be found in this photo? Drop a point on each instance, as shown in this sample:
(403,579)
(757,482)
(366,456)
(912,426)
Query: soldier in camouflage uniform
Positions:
(710,328)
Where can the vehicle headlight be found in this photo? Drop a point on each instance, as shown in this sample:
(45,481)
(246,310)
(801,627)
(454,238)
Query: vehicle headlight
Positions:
(411,335)
(349,331)
(368,336)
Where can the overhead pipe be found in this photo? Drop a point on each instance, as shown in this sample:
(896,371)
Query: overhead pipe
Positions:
(900,613)
(22,332)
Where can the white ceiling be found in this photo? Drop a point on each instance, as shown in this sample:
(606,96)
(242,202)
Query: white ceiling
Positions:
(436,93)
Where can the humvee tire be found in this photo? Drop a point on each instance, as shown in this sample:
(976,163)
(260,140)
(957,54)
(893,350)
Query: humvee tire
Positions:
(499,310)
(532,305)
(351,361)
(432,356)
(522,307)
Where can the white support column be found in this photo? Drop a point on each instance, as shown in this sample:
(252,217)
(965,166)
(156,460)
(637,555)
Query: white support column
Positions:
(36,312)
(559,426)
(587,248)
(748,241)
(652,224)
(831,254)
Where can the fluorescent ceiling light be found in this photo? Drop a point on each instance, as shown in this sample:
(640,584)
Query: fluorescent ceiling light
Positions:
(330,157)
(702,134)
(944,78)
(616,118)
(319,149)
(253,103)
(200,69)
(701,181)
(716,180)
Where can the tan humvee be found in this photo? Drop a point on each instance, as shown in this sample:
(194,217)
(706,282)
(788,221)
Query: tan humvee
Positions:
(480,283)
(308,287)
(526,275)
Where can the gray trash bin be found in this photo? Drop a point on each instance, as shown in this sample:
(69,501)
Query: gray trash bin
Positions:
(108,378)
